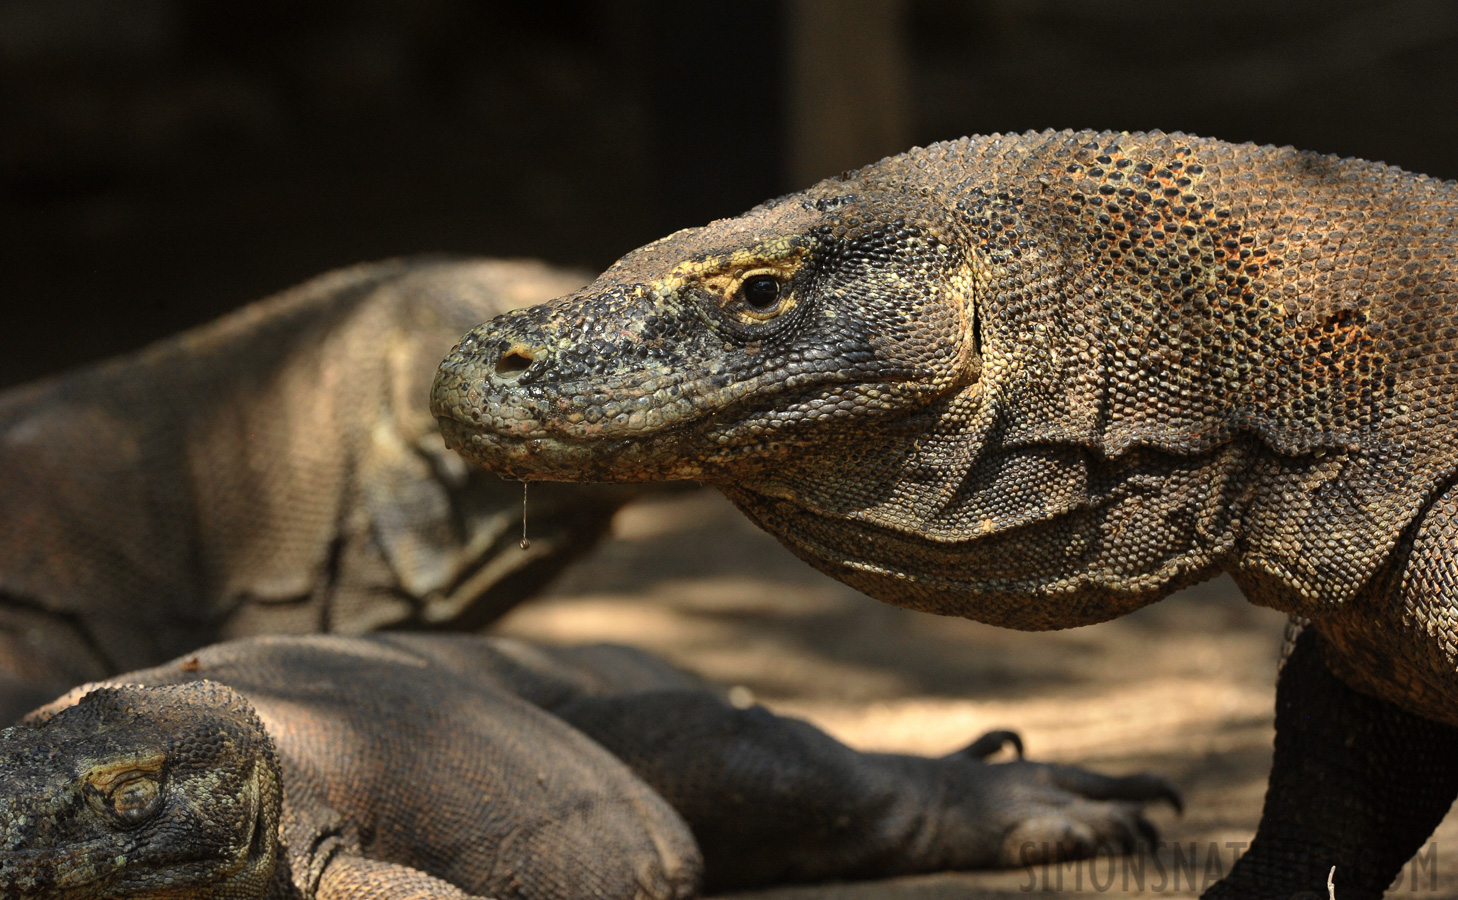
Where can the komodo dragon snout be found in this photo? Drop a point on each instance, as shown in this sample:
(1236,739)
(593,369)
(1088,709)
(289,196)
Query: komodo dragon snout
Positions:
(720,348)
(138,792)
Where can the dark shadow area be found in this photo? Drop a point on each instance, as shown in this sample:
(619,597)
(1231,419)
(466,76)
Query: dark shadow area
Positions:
(164,161)
(696,558)
(1376,79)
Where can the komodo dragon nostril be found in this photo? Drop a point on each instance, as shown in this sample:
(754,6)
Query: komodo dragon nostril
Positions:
(514,361)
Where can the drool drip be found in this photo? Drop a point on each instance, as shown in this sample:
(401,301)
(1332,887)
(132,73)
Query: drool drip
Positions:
(525,544)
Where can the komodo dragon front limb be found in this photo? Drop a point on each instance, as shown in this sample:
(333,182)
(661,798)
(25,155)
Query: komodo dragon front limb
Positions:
(275,471)
(443,767)
(1042,380)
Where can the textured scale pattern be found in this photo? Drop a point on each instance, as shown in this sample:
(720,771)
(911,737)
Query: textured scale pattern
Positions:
(414,767)
(275,471)
(1041,380)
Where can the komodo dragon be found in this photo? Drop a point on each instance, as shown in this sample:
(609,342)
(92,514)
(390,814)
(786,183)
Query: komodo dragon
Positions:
(431,767)
(1042,380)
(274,471)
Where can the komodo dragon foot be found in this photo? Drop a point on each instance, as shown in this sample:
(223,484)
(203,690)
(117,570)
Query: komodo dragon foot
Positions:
(446,768)
(772,799)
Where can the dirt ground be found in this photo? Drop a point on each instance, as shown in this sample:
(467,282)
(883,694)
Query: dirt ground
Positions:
(1183,688)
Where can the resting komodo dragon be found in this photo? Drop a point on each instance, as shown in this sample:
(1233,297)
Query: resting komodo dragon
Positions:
(1042,380)
(275,471)
(433,767)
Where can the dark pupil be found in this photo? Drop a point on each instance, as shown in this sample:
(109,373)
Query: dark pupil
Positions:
(761,293)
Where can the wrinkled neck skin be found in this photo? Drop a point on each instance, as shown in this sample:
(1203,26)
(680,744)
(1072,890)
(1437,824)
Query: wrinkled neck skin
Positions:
(1165,390)
(951,515)
(1005,496)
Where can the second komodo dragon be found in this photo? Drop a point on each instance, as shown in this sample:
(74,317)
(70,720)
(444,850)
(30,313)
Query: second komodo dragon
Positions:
(274,471)
(418,767)
(1042,380)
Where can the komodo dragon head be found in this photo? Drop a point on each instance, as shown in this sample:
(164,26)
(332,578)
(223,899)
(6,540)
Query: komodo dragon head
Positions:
(139,792)
(726,350)
(1017,378)
(870,370)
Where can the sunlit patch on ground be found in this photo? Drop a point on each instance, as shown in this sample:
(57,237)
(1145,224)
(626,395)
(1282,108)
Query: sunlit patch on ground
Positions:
(1184,688)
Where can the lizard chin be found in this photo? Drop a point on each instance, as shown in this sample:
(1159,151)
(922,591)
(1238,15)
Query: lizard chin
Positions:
(722,445)
(553,458)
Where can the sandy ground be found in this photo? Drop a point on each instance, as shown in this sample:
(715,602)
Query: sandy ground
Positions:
(1183,688)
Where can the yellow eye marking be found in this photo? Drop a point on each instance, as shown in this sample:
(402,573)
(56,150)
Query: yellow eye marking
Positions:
(726,277)
(126,788)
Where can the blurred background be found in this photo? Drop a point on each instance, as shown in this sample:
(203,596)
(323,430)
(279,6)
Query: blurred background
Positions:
(162,161)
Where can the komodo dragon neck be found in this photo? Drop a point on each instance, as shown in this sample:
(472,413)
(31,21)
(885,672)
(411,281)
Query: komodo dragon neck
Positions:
(1175,354)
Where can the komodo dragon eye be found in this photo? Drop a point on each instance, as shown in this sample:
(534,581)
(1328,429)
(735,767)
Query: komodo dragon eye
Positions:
(753,297)
(760,292)
(136,800)
(130,795)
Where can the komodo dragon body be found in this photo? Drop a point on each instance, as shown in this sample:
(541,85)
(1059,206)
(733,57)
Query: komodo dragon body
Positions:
(436,767)
(1043,380)
(275,471)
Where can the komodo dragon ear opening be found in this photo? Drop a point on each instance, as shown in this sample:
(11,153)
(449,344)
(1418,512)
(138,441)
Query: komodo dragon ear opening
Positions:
(976,334)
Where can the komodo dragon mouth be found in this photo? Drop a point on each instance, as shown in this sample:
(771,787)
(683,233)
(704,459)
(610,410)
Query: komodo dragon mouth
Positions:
(647,443)
(62,872)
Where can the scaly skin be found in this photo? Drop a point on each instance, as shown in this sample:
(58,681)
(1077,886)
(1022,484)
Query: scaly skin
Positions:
(132,782)
(274,471)
(415,767)
(1041,381)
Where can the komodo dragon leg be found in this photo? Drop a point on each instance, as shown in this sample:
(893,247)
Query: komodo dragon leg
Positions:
(275,471)
(359,878)
(773,799)
(1395,773)
(1356,783)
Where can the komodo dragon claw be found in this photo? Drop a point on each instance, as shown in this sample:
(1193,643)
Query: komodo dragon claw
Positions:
(991,742)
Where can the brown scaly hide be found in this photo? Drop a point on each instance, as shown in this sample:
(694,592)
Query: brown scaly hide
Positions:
(1041,380)
(439,767)
(275,471)
(1038,381)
